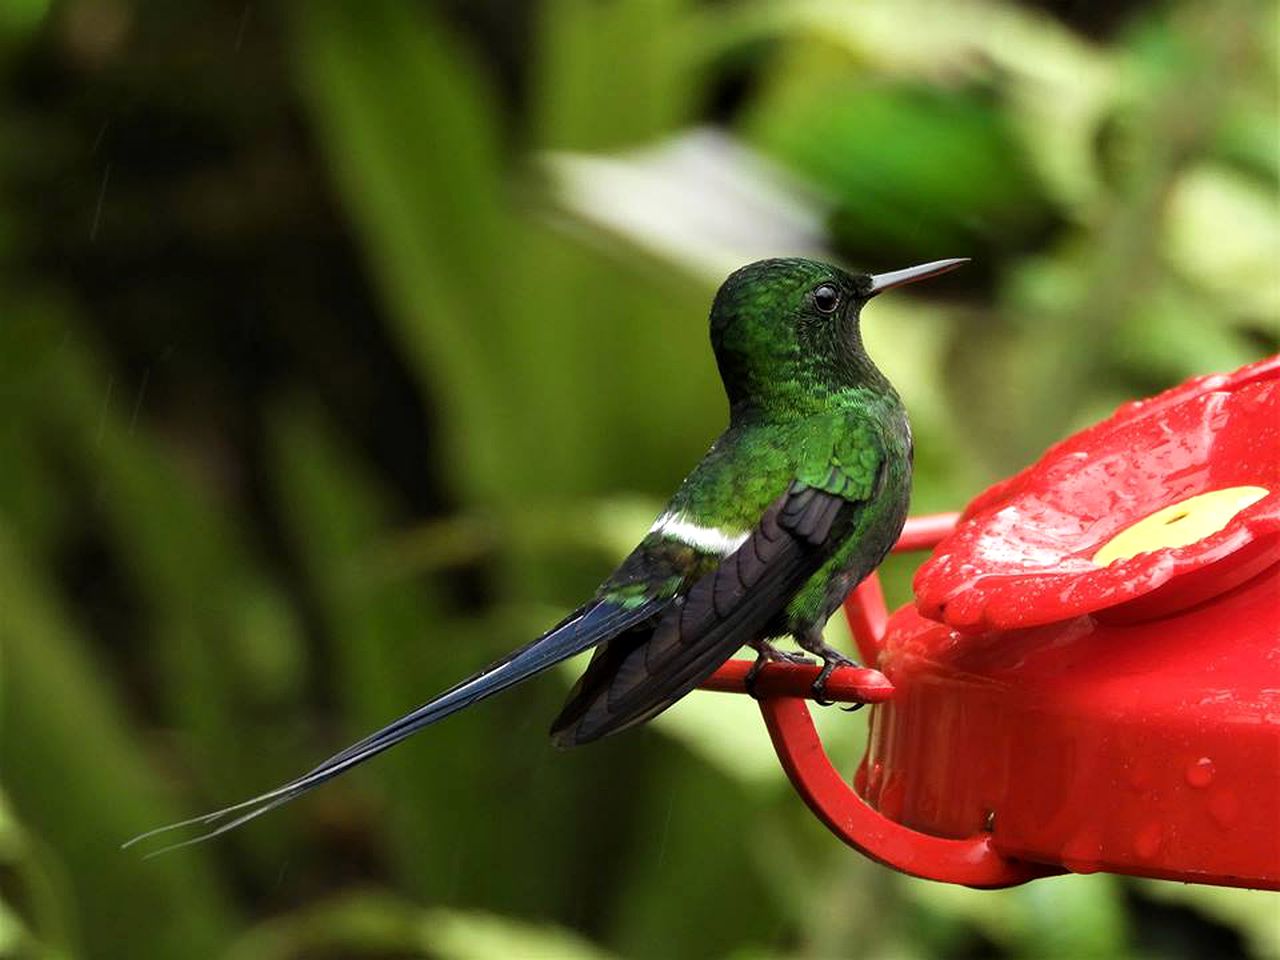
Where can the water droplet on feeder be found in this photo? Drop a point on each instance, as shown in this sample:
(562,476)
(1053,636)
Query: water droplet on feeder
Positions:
(1147,843)
(1083,852)
(1200,773)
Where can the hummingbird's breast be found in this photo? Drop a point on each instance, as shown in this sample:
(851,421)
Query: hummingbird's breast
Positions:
(865,544)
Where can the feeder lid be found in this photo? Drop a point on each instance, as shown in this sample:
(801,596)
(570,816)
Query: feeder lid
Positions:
(1167,503)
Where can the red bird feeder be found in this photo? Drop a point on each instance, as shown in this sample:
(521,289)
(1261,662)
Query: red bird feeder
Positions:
(1090,677)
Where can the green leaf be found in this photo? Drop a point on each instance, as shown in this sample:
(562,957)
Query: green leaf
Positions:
(76,776)
(1223,233)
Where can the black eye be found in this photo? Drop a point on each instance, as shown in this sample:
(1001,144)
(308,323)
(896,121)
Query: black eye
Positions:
(826,298)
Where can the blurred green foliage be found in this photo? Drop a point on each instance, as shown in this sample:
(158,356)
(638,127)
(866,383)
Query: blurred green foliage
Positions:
(313,400)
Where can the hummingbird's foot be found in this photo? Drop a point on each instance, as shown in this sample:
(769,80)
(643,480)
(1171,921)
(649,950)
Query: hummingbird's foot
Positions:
(766,652)
(831,659)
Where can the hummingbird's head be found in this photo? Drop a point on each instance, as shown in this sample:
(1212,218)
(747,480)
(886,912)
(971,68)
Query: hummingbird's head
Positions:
(786,332)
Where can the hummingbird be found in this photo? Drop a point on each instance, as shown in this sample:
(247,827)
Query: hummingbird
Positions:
(796,502)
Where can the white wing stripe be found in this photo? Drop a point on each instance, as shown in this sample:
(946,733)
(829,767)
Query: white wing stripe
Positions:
(707,539)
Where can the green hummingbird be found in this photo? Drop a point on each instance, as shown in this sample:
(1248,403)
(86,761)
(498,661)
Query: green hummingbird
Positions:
(796,502)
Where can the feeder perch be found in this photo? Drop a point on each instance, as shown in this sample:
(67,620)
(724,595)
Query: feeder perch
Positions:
(1089,679)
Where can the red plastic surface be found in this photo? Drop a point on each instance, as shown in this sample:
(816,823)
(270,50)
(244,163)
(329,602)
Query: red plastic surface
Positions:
(1022,553)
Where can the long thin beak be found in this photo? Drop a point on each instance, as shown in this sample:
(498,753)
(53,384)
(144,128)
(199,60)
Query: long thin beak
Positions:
(880,282)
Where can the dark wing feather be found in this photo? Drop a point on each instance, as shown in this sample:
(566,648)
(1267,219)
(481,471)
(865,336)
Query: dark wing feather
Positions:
(581,630)
(642,672)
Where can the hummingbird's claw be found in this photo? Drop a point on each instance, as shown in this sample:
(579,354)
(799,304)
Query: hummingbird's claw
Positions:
(753,674)
(831,659)
(818,691)
(766,652)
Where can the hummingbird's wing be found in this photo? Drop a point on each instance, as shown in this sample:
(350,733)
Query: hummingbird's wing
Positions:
(581,630)
(640,673)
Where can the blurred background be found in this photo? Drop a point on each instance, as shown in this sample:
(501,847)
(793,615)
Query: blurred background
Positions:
(344,347)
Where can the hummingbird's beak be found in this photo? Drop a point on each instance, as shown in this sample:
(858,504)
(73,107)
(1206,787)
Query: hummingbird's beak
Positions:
(880,282)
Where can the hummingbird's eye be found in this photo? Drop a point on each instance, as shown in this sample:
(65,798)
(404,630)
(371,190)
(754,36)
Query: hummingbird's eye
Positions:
(826,298)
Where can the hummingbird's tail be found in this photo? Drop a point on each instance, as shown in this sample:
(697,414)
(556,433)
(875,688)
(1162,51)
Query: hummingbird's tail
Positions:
(581,630)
